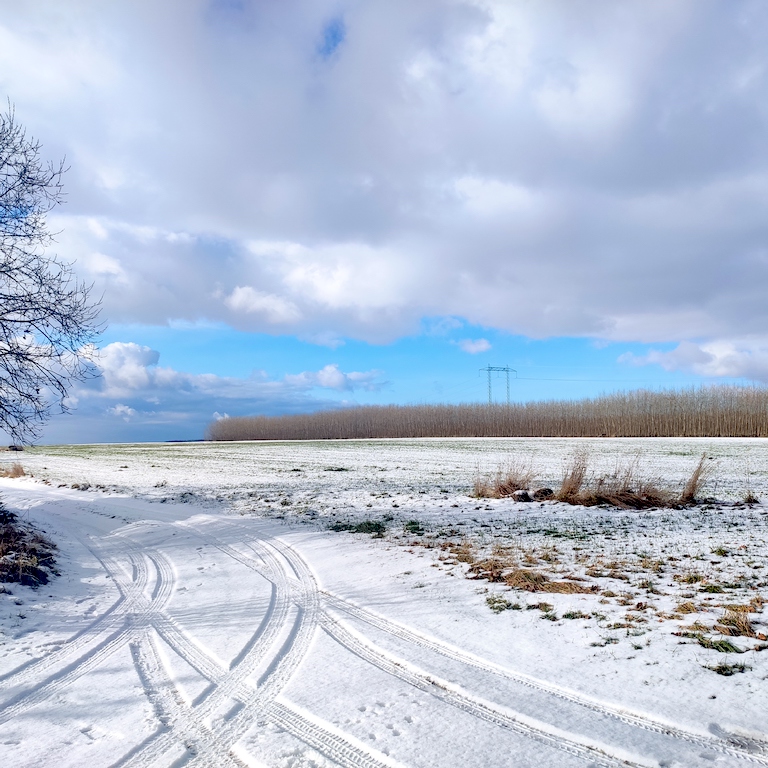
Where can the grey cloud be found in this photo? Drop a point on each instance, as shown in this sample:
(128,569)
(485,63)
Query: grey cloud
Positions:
(553,168)
(731,358)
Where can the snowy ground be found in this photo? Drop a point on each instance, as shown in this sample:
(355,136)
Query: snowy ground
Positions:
(206,615)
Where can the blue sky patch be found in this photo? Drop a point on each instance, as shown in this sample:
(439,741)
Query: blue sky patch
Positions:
(334,33)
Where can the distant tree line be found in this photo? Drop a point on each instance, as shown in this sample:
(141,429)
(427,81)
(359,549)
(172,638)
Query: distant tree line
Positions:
(712,411)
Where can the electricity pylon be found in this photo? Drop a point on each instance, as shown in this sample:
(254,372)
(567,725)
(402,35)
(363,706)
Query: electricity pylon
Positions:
(499,369)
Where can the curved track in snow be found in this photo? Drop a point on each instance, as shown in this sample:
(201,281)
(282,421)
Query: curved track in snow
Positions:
(249,695)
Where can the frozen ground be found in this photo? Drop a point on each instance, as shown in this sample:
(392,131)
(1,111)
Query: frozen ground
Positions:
(205,615)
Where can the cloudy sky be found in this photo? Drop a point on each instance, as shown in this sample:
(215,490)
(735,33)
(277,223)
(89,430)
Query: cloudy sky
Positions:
(290,205)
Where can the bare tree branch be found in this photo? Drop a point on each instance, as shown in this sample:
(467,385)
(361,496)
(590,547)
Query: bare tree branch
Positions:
(48,321)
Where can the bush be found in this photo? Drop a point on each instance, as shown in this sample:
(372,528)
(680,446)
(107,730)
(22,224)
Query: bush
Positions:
(26,557)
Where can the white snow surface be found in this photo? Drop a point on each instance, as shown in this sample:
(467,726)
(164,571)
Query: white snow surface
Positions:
(205,615)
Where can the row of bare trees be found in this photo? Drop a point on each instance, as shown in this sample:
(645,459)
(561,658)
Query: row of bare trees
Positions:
(713,411)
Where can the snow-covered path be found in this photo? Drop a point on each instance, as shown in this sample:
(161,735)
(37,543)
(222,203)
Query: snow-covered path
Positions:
(180,637)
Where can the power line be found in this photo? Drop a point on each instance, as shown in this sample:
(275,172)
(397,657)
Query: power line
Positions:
(499,369)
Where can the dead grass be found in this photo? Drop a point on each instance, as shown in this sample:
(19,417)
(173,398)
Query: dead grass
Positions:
(514,477)
(15,470)
(698,477)
(26,556)
(573,480)
(735,622)
(624,488)
(535,581)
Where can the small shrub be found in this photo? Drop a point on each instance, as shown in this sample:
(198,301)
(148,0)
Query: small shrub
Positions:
(375,527)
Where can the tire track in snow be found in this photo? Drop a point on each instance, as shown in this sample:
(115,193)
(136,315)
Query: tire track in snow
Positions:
(171,710)
(749,753)
(229,686)
(307,589)
(330,742)
(92,632)
(325,739)
(629,718)
(67,674)
(475,706)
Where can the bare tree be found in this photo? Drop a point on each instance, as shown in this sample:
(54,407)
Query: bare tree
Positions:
(47,318)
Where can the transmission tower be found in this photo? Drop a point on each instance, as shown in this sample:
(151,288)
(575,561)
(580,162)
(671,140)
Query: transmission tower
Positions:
(498,369)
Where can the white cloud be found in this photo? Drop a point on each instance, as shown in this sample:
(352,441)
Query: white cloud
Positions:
(125,412)
(556,168)
(274,308)
(474,346)
(331,377)
(126,367)
(739,358)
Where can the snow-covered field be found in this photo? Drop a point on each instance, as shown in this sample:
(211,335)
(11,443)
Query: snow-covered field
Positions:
(206,615)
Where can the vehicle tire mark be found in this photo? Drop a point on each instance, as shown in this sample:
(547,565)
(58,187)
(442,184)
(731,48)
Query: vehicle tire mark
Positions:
(451,694)
(324,740)
(88,635)
(94,656)
(629,718)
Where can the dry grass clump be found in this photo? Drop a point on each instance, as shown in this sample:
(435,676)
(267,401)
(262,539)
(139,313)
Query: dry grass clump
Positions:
(736,622)
(535,581)
(26,557)
(490,568)
(575,475)
(504,483)
(698,477)
(498,570)
(625,488)
(463,552)
(15,470)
